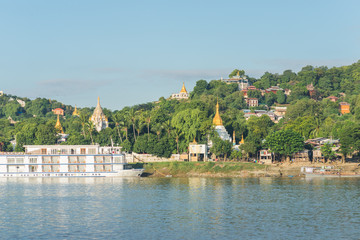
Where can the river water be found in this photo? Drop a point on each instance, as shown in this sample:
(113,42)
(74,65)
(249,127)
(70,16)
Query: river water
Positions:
(179,208)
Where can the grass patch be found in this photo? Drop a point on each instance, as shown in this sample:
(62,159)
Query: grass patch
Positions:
(175,168)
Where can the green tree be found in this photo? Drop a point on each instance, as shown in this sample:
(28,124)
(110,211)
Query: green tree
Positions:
(236,72)
(220,147)
(285,143)
(280,97)
(327,152)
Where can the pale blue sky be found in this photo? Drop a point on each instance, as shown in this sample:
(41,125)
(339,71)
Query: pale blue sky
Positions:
(131,52)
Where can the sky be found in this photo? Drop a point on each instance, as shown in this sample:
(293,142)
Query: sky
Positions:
(133,52)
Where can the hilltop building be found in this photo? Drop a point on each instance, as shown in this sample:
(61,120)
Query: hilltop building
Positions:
(311,89)
(344,107)
(333,98)
(252,102)
(183,94)
(273,89)
(219,128)
(245,90)
(98,118)
(241,81)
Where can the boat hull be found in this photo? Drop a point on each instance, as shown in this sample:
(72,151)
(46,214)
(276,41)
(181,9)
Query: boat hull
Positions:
(122,173)
(318,175)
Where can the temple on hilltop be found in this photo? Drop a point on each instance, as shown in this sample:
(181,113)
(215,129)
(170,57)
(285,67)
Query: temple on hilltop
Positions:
(98,118)
(219,127)
(241,81)
(183,94)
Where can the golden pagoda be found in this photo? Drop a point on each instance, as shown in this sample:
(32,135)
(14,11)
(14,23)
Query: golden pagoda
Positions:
(75,112)
(58,126)
(217,121)
(242,140)
(183,89)
(234,142)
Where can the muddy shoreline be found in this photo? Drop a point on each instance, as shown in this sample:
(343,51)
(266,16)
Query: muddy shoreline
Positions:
(273,170)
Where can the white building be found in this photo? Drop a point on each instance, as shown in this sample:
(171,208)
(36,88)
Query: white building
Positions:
(98,118)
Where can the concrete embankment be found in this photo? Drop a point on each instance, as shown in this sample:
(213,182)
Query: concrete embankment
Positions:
(231,169)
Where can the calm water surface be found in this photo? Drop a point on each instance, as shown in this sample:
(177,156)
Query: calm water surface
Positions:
(179,208)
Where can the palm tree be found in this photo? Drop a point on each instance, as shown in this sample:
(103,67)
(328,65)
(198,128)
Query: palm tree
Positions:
(125,123)
(83,119)
(117,120)
(140,122)
(147,118)
(178,133)
(167,126)
(90,127)
(158,129)
(133,118)
(316,130)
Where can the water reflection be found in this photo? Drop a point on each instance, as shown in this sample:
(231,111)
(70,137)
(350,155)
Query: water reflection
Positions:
(178,208)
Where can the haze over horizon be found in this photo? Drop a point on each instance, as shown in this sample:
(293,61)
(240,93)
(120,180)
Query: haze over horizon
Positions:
(135,52)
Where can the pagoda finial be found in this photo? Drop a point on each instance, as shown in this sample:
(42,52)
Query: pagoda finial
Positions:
(183,89)
(75,112)
(242,139)
(58,126)
(234,142)
(217,121)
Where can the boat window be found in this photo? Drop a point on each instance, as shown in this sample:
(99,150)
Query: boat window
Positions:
(43,151)
(53,151)
(92,151)
(64,151)
(107,159)
(19,160)
(11,160)
(33,160)
(82,150)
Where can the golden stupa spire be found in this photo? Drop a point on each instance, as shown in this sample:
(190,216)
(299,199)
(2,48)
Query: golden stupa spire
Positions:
(238,74)
(194,142)
(234,142)
(183,89)
(58,126)
(242,139)
(75,112)
(217,121)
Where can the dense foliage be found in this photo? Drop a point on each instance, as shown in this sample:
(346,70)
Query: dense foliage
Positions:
(167,126)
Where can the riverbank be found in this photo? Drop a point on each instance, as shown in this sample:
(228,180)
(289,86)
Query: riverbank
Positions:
(231,169)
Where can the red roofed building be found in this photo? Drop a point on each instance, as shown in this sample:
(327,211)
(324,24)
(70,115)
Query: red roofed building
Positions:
(244,91)
(333,98)
(58,111)
(273,89)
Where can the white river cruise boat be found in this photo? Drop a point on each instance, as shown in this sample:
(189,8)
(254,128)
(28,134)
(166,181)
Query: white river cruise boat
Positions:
(66,161)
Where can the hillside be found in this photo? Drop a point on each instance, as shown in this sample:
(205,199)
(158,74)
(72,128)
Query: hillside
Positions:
(167,126)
